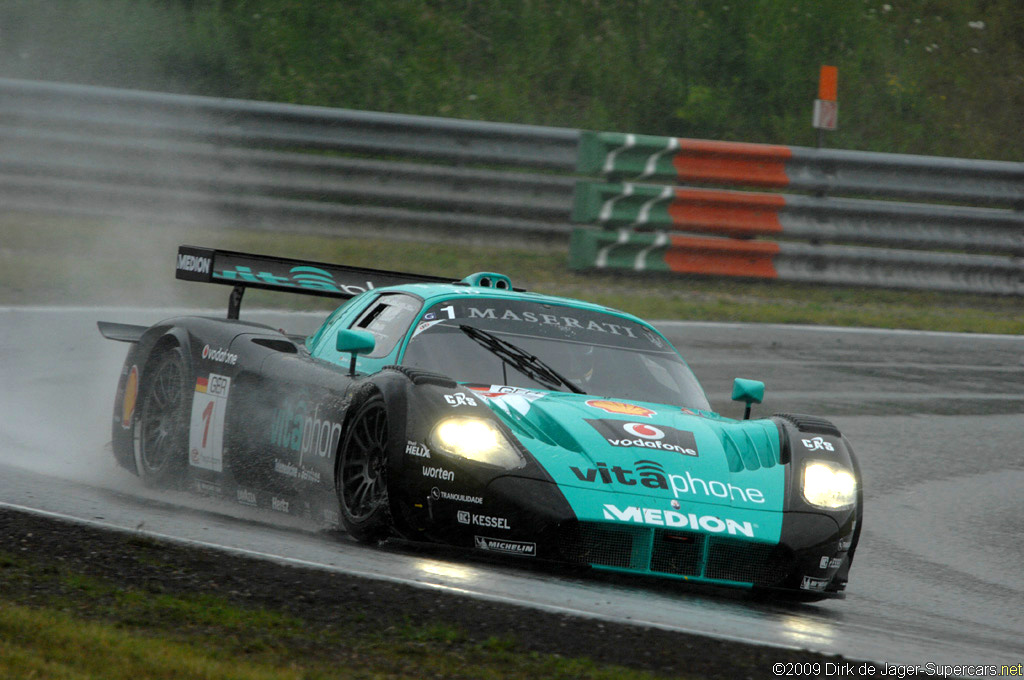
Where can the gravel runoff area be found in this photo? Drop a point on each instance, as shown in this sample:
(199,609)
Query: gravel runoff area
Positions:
(324,598)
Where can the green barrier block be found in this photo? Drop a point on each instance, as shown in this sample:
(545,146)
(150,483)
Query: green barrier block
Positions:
(583,248)
(618,205)
(592,152)
(623,250)
(616,154)
(587,198)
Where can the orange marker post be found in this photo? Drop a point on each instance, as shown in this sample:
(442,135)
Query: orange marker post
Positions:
(826,106)
(828,83)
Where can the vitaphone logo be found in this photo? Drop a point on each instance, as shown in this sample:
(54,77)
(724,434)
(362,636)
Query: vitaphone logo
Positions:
(303,433)
(625,434)
(652,475)
(678,520)
(312,278)
(193,263)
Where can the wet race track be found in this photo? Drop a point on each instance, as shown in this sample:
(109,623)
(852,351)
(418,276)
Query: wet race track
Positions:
(936,420)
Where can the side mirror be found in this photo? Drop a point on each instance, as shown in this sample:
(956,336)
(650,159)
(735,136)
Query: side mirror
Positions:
(356,342)
(749,392)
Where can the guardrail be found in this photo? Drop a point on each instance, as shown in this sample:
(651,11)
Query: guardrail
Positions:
(834,227)
(824,171)
(145,155)
(800,262)
(164,158)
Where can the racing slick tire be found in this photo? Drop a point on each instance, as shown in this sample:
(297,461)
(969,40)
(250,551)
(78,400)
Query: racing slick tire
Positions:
(361,477)
(162,425)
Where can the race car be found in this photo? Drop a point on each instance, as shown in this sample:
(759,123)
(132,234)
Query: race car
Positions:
(479,415)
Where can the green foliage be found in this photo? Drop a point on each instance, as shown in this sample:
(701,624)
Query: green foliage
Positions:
(57,622)
(938,77)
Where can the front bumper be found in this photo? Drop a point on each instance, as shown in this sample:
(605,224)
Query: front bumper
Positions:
(806,557)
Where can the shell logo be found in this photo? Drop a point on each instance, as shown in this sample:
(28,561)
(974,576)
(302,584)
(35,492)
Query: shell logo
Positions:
(621,408)
(131,394)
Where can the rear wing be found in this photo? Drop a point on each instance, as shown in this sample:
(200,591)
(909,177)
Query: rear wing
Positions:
(243,270)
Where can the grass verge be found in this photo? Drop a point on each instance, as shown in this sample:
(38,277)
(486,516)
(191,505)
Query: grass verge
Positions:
(56,622)
(47,260)
(79,602)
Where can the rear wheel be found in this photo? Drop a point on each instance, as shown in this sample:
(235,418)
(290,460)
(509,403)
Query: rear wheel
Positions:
(161,428)
(362,473)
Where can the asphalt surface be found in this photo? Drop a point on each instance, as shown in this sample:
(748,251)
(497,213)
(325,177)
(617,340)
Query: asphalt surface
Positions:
(936,420)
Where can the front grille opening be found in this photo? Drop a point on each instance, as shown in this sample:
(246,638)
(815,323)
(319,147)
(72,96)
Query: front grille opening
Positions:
(677,552)
(623,547)
(762,564)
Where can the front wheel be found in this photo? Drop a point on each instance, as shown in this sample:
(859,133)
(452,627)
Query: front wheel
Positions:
(361,478)
(161,428)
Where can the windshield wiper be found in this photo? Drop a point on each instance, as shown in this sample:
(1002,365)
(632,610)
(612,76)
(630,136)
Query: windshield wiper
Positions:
(521,360)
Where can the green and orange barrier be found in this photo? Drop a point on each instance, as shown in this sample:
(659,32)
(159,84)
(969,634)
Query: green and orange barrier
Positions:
(676,159)
(625,249)
(727,213)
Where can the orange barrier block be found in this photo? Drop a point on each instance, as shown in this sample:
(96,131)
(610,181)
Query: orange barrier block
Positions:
(727,212)
(732,163)
(724,257)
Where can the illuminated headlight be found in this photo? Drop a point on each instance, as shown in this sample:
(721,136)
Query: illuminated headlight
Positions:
(477,440)
(829,486)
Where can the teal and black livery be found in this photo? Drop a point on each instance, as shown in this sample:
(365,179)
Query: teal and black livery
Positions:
(476,414)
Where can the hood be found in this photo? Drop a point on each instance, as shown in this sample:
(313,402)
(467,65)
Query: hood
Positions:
(659,454)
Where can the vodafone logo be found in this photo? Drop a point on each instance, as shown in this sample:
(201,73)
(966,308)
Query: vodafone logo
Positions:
(219,355)
(633,435)
(643,430)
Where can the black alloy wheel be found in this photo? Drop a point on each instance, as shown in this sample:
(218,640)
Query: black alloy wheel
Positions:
(362,473)
(161,429)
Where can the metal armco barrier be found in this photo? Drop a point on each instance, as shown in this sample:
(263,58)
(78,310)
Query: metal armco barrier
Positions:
(834,265)
(143,155)
(824,171)
(833,227)
(198,160)
(748,214)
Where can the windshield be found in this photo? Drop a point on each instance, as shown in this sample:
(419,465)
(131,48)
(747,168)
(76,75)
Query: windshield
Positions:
(597,353)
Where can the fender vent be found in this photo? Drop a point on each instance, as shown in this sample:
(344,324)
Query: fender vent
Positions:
(811,424)
(420,377)
(278,345)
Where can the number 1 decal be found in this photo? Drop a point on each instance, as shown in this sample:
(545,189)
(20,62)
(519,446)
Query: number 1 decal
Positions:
(206,432)
(207,414)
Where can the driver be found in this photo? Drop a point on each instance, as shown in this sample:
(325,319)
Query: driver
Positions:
(581,364)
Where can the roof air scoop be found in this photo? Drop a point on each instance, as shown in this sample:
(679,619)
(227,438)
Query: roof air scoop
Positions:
(489,280)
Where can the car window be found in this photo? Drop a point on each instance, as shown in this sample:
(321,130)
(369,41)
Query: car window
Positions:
(387,318)
(327,328)
(601,354)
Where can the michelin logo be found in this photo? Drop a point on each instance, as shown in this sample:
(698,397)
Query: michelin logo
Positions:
(503,546)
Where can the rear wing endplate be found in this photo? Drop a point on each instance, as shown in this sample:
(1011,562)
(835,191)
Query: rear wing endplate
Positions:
(243,270)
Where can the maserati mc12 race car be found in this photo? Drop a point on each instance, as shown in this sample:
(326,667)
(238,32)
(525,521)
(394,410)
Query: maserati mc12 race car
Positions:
(479,415)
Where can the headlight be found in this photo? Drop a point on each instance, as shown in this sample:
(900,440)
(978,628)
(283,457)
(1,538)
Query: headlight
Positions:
(477,440)
(829,486)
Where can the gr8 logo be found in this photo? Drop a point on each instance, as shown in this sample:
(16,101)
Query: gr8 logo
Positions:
(817,444)
(459,399)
